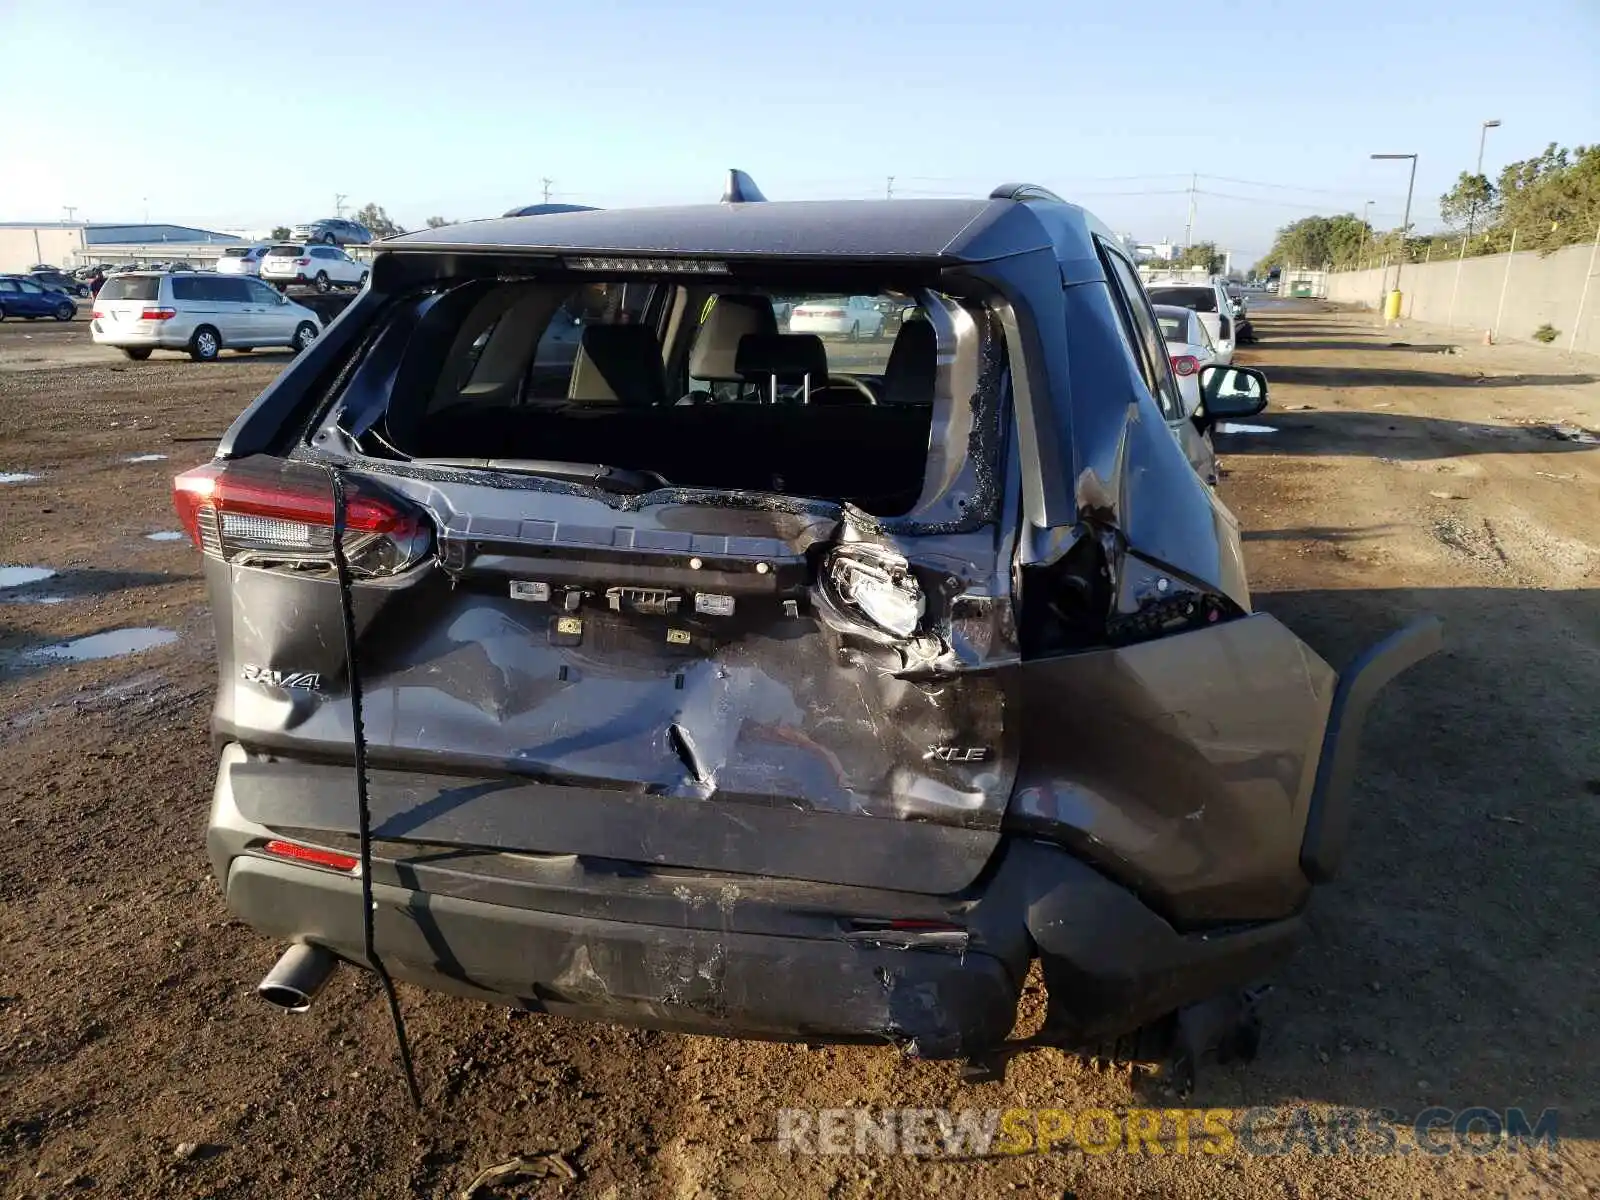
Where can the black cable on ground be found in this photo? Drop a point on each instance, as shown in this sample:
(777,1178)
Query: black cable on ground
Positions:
(341,568)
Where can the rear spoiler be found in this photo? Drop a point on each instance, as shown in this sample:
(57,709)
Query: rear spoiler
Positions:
(740,189)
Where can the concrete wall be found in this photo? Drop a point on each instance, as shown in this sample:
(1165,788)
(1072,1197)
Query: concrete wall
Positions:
(22,246)
(1538,291)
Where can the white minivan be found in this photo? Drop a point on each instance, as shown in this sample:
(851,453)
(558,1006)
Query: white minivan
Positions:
(201,313)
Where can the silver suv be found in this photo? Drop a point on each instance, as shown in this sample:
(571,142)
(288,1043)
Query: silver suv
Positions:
(200,313)
(335,231)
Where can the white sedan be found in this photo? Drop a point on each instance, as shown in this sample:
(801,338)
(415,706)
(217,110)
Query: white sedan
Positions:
(325,267)
(855,317)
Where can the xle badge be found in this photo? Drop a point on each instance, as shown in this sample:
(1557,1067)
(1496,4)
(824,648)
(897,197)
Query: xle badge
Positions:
(958,753)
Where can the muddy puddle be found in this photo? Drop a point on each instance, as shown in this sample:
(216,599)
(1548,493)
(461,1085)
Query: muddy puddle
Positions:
(11,577)
(114,643)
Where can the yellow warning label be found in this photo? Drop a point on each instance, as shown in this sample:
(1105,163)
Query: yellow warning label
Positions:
(569,625)
(678,637)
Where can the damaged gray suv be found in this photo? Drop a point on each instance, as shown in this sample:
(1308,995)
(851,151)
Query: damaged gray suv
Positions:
(722,679)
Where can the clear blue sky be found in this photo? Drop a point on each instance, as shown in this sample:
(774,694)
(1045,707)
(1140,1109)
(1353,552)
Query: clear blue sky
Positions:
(252,114)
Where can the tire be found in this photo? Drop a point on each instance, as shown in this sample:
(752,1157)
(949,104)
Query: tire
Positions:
(855,332)
(323,285)
(205,345)
(65,312)
(305,333)
(330,239)
(137,353)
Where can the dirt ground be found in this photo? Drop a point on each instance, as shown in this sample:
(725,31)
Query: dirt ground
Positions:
(1453,964)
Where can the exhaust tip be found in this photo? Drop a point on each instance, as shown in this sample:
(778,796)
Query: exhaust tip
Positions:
(297,977)
(279,995)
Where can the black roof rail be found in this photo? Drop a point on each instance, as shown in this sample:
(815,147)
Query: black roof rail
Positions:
(542,210)
(1024,191)
(741,189)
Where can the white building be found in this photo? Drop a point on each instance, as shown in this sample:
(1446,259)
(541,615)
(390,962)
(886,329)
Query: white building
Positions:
(78,243)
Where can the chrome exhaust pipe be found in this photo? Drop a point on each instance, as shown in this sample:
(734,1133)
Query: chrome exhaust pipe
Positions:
(297,977)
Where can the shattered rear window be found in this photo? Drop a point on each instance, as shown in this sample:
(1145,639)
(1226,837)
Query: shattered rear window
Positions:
(725,386)
(1200,299)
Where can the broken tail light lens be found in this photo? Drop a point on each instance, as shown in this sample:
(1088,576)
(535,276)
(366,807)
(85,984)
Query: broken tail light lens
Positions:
(271,513)
(1185,364)
(879,585)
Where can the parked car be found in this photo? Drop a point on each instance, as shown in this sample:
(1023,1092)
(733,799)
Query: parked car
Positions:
(241,260)
(1190,350)
(1245,332)
(773,711)
(59,281)
(201,313)
(324,267)
(23,296)
(332,231)
(1210,301)
(853,317)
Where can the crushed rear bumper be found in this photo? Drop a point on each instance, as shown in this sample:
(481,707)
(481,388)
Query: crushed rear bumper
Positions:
(743,956)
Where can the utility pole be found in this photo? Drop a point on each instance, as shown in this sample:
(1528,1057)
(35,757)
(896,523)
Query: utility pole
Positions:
(1483,135)
(547,181)
(1188,229)
(69,209)
(888,189)
(1405,222)
(1365,209)
(338,204)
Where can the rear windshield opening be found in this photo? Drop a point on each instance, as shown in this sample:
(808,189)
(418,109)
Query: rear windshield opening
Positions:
(1174,329)
(287,251)
(1199,299)
(236,252)
(131,287)
(822,394)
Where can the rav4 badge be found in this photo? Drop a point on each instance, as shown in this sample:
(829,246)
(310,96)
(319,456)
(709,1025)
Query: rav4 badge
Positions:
(307,681)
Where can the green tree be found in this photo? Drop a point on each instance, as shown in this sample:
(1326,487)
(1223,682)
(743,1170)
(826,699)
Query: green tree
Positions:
(280,233)
(375,219)
(437,222)
(1203,255)
(1314,241)
(1472,201)
(1552,200)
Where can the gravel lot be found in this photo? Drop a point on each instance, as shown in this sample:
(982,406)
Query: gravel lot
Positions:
(1454,963)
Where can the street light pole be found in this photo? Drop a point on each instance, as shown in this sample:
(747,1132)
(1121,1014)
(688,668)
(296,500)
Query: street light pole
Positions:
(1483,136)
(1405,222)
(1366,208)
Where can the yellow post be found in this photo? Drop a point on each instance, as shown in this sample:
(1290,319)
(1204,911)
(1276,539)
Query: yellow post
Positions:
(1391,306)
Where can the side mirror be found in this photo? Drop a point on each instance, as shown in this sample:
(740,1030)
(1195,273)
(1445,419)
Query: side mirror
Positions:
(1232,392)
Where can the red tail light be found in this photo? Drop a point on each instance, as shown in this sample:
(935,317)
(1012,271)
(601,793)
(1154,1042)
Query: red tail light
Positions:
(302,262)
(97,314)
(158,314)
(270,513)
(310,854)
(1185,364)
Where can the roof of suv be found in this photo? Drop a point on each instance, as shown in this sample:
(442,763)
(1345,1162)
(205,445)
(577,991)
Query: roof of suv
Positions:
(949,230)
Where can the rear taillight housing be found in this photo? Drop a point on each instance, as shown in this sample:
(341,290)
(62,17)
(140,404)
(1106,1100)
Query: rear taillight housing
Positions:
(265,512)
(1185,364)
(158,314)
(302,262)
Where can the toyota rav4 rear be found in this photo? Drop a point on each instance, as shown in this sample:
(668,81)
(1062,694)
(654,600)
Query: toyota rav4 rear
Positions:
(717,679)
